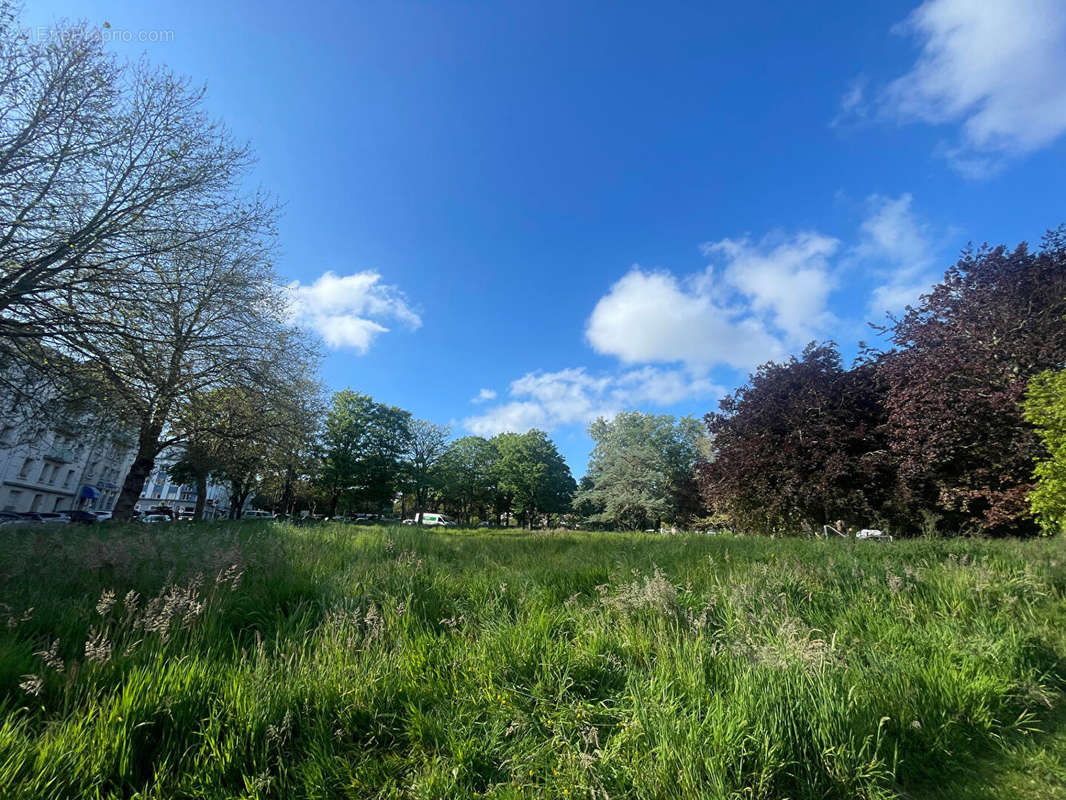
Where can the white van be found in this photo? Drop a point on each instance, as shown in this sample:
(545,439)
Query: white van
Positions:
(255,514)
(434,519)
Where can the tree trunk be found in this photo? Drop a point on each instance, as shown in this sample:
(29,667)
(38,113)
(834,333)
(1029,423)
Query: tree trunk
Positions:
(287,500)
(201,495)
(143,462)
(237,495)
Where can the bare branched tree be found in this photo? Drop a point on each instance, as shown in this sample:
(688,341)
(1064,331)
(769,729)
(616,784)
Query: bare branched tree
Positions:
(104,168)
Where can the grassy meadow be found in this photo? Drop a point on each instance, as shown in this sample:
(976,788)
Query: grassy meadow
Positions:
(256,660)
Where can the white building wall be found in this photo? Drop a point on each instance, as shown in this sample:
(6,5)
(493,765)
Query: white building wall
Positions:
(45,470)
(160,490)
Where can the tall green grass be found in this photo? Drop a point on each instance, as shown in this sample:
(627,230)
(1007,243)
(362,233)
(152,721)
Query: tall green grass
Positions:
(257,660)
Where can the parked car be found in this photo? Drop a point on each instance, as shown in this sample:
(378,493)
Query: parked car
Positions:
(45,516)
(11,518)
(154,518)
(102,516)
(256,514)
(84,517)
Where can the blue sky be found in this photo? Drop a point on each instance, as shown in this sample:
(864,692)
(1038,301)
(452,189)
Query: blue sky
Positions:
(504,215)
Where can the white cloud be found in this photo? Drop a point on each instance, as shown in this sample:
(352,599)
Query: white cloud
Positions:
(484,395)
(790,280)
(548,400)
(651,317)
(345,309)
(898,249)
(762,300)
(765,297)
(998,67)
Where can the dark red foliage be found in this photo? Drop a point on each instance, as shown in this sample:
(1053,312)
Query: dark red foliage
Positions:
(798,447)
(932,428)
(955,380)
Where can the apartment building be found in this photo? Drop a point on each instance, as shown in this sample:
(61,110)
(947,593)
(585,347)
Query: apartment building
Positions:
(60,467)
(52,464)
(160,490)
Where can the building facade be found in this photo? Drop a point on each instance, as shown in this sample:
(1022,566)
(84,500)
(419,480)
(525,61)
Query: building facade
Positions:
(160,491)
(61,467)
(66,465)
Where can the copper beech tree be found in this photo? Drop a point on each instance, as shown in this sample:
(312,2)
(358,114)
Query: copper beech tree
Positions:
(798,447)
(955,381)
(929,433)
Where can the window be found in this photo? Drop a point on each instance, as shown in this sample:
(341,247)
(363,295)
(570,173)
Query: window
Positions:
(13,498)
(69,480)
(46,473)
(25,471)
(36,504)
(7,434)
(56,506)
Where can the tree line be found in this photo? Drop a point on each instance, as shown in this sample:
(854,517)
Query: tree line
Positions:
(354,455)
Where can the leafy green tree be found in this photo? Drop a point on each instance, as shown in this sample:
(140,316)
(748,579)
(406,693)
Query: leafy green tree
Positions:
(293,457)
(241,434)
(364,443)
(194,469)
(427,445)
(642,471)
(1045,408)
(466,477)
(534,474)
